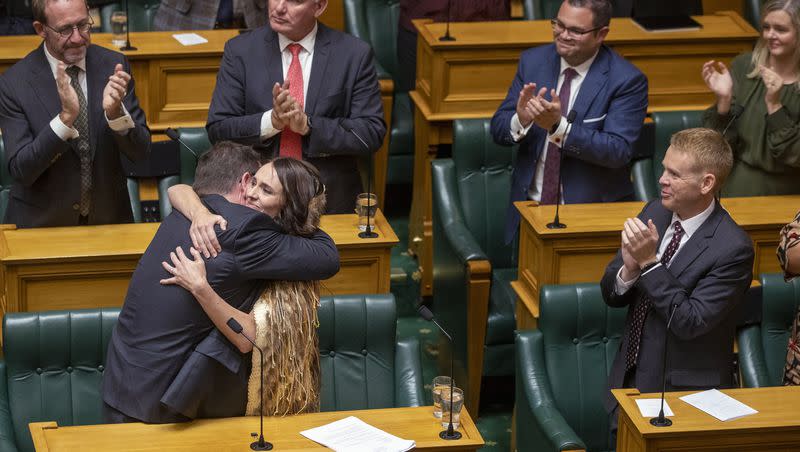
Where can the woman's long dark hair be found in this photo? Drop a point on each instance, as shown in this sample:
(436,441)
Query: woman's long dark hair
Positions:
(303,196)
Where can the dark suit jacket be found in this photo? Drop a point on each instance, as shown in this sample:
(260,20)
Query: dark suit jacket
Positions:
(202,14)
(343,101)
(705,282)
(610,107)
(159,327)
(46,169)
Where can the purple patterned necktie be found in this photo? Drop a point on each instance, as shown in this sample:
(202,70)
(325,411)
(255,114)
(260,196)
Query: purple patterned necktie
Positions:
(643,306)
(552,163)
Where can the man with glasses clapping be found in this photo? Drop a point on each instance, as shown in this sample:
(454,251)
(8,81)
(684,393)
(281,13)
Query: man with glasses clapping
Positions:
(608,96)
(67,112)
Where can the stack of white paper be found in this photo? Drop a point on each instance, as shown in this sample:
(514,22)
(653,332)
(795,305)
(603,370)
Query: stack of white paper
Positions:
(718,404)
(651,407)
(190,39)
(353,434)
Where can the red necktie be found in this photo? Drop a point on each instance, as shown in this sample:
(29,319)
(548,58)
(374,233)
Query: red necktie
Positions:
(643,305)
(552,164)
(291,143)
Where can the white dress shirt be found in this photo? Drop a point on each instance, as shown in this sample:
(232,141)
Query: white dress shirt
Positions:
(560,135)
(306,56)
(690,226)
(120,125)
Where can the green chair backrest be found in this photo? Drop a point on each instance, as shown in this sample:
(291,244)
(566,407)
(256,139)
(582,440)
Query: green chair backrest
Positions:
(540,9)
(357,347)
(142,13)
(483,176)
(581,336)
(780,303)
(54,365)
(666,124)
(376,22)
(197,138)
(752,12)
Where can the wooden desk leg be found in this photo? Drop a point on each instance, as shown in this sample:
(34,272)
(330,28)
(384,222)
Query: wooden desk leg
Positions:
(420,225)
(628,439)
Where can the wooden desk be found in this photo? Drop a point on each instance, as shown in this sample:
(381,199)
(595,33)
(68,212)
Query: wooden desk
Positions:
(234,433)
(581,252)
(776,426)
(90,266)
(469,78)
(174,83)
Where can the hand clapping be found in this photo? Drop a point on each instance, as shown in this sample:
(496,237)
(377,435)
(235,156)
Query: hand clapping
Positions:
(719,81)
(70,107)
(115,91)
(774,83)
(536,108)
(286,111)
(638,245)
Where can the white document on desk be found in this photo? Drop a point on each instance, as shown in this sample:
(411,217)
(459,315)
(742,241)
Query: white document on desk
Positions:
(189,39)
(651,407)
(353,434)
(718,404)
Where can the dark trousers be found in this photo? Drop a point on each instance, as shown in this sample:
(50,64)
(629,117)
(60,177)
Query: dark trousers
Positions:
(613,418)
(112,415)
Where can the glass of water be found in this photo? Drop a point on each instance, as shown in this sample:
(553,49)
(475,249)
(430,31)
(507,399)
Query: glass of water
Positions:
(439,384)
(119,28)
(456,400)
(366,206)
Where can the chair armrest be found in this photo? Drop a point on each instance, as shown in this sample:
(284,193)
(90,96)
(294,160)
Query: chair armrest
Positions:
(7,438)
(164,206)
(383,74)
(539,423)
(752,363)
(408,374)
(453,227)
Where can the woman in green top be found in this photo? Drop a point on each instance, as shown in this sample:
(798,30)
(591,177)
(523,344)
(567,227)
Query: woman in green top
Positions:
(758,106)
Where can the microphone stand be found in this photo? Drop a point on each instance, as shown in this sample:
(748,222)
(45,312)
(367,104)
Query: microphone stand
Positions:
(172,134)
(127,46)
(449,434)
(661,420)
(367,233)
(447,36)
(260,444)
(556,224)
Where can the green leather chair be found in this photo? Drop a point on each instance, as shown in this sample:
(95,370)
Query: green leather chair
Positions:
(197,139)
(562,370)
(363,364)
(752,12)
(762,347)
(646,172)
(142,13)
(52,370)
(540,9)
(376,22)
(472,265)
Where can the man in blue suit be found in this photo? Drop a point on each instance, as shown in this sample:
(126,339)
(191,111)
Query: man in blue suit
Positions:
(608,96)
(298,88)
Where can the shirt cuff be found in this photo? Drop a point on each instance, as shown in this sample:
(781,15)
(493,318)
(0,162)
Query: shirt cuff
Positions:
(621,286)
(267,129)
(560,135)
(651,269)
(62,130)
(517,131)
(122,124)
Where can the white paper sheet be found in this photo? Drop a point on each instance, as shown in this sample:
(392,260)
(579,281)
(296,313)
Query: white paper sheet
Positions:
(718,404)
(190,39)
(651,407)
(353,434)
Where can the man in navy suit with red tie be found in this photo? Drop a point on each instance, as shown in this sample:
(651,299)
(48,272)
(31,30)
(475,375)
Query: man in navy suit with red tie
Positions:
(682,258)
(298,88)
(609,97)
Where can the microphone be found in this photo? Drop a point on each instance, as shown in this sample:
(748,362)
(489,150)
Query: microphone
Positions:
(556,224)
(127,45)
(236,327)
(737,110)
(172,134)
(662,421)
(450,433)
(447,36)
(367,233)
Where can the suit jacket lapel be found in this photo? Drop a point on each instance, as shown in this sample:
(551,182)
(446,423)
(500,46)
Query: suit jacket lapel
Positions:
(96,80)
(595,79)
(662,221)
(44,84)
(274,63)
(695,246)
(318,66)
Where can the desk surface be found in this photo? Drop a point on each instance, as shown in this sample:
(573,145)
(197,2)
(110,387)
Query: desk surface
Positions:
(119,240)
(234,433)
(777,409)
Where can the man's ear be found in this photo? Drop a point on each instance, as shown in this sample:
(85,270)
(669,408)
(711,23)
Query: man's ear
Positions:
(320,7)
(708,184)
(39,28)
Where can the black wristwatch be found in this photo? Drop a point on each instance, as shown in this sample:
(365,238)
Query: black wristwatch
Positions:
(647,267)
(308,123)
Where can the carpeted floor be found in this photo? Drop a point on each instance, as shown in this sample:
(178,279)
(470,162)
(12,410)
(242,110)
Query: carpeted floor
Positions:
(494,422)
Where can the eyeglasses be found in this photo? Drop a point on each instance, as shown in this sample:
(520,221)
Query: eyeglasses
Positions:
(559,28)
(67,30)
